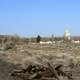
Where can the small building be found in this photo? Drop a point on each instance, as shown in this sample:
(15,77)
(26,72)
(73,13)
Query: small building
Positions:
(75,39)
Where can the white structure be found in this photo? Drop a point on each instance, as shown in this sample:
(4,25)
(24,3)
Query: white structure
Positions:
(48,42)
(67,35)
(73,41)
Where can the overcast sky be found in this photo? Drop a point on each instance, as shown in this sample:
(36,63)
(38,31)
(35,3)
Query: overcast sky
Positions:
(44,17)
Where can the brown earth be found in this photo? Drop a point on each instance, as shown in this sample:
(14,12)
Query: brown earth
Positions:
(22,55)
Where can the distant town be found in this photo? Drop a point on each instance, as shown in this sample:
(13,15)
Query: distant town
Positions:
(42,40)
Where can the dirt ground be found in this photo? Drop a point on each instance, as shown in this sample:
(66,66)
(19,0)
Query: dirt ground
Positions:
(22,55)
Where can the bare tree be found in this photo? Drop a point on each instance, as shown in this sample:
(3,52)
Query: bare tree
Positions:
(38,39)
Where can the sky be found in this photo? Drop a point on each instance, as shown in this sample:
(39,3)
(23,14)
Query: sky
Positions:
(43,17)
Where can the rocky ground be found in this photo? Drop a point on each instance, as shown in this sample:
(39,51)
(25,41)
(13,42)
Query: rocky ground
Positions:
(20,56)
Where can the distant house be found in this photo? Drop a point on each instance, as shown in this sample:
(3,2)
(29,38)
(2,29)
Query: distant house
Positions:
(75,39)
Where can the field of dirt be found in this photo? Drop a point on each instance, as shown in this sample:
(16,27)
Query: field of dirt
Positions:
(21,56)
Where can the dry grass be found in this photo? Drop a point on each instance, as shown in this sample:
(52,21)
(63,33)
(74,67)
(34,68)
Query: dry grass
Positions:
(24,54)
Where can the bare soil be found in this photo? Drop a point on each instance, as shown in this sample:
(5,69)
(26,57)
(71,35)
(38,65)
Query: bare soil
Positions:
(22,55)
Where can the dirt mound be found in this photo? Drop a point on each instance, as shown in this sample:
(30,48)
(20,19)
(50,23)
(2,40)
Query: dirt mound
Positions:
(41,72)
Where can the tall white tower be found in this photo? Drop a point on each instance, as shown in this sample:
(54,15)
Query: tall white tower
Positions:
(67,35)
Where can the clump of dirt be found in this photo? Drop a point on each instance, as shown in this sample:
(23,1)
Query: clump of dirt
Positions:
(42,72)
